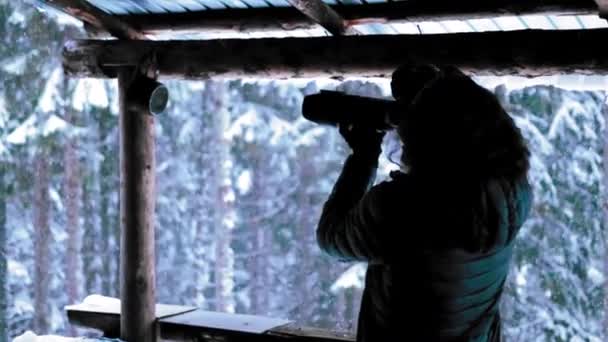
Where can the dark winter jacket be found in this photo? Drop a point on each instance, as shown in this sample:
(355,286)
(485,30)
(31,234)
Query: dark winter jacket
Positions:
(421,285)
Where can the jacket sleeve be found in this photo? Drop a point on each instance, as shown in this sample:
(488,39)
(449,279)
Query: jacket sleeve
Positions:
(350,227)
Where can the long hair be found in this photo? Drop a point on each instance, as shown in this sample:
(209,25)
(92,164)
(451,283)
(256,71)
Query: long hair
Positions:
(458,139)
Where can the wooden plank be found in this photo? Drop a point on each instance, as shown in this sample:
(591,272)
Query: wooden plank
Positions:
(96,18)
(137,204)
(227,322)
(178,332)
(288,18)
(527,53)
(108,324)
(184,323)
(290,330)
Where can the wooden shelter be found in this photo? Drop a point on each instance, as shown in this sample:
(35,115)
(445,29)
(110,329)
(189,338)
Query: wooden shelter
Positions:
(140,40)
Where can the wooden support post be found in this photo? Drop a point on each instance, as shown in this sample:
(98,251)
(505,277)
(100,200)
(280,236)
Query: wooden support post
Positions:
(137,204)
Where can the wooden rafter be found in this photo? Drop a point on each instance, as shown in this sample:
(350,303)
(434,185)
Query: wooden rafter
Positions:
(96,18)
(526,52)
(288,18)
(322,14)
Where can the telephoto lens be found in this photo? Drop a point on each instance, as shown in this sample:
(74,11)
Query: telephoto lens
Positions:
(334,108)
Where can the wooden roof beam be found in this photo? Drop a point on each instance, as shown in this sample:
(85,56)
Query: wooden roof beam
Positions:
(526,53)
(289,18)
(96,18)
(322,14)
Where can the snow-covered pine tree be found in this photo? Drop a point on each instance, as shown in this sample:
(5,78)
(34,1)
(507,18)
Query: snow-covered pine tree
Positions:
(4,300)
(180,201)
(556,284)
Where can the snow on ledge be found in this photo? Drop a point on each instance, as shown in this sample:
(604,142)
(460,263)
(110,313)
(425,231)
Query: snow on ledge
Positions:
(29,336)
(100,300)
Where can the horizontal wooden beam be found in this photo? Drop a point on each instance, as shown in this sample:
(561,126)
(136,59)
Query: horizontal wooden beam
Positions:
(288,18)
(526,52)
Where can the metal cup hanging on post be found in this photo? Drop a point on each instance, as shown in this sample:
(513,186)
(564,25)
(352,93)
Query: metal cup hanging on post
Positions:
(149,94)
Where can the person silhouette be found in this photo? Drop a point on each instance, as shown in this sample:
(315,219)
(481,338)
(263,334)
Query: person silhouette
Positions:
(438,239)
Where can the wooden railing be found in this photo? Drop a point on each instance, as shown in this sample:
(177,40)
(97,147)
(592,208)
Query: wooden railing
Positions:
(185,323)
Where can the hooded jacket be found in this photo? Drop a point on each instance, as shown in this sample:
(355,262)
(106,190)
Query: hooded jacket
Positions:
(422,284)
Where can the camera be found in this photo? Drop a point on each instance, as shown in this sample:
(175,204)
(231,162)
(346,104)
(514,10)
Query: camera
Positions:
(408,80)
(334,107)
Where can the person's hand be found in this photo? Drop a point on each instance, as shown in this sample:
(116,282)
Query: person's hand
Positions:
(362,140)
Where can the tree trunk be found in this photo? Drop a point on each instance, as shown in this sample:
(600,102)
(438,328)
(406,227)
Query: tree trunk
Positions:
(215,205)
(72,205)
(89,241)
(258,273)
(305,230)
(3,256)
(106,226)
(214,104)
(42,239)
(200,258)
(258,266)
(108,213)
(605,210)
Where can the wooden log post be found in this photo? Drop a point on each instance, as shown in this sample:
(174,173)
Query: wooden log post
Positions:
(137,204)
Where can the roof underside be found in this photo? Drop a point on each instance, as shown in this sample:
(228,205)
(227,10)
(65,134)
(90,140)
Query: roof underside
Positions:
(376,36)
(123,7)
(168,8)
(424,27)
